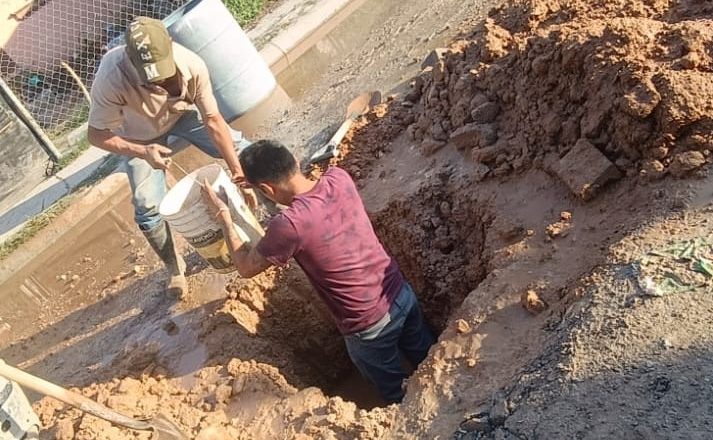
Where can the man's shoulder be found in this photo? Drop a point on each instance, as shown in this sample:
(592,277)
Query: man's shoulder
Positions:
(339,175)
(113,58)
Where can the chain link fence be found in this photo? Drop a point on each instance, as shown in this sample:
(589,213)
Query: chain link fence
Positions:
(50,59)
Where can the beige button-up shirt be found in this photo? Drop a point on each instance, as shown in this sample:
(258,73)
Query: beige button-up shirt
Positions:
(143,112)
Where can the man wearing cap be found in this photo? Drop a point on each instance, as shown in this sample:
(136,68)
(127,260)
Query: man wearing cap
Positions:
(143,92)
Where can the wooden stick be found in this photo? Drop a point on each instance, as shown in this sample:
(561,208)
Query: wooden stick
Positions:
(79,82)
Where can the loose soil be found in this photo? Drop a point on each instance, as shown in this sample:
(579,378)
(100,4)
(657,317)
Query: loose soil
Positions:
(544,185)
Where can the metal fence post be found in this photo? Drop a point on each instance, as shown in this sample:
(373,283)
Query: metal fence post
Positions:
(29,121)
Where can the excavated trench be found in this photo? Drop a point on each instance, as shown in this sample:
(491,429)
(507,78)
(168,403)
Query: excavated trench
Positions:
(438,238)
(437,235)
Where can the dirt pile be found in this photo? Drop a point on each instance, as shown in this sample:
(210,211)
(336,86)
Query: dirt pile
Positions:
(370,138)
(634,78)
(243,400)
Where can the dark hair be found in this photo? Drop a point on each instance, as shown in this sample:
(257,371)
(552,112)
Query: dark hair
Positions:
(267,161)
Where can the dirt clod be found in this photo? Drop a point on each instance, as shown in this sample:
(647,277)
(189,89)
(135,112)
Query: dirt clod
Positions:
(462,326)
(686,163)
(532,302)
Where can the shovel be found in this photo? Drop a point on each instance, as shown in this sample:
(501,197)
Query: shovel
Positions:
(161,427)
(360,105)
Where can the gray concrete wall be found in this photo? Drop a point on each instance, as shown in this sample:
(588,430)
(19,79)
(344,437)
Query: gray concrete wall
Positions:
(22,159)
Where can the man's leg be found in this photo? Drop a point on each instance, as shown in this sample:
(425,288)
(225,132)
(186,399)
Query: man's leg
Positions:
(379,361)
(148,186)
(416,338)
(190,127)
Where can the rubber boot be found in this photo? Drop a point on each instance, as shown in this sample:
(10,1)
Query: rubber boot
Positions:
(162,242)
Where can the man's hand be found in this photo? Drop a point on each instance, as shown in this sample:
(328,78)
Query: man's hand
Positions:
(156,156)
(248,193)
(216,205)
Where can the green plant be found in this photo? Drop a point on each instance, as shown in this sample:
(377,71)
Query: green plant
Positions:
(245,11)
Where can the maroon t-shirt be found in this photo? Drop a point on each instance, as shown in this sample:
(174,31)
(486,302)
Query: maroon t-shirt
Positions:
(329,234)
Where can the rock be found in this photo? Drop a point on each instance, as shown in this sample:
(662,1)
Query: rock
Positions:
(490,153)
(585,170)
(477,424)
(652,169)
(642,100)
(438,132)
(474,136)
(480,172)
(462,326)
(171,328)
(65,429)
(412,97)
(129,386)
(566,216)
(223,394)
(431,146)
(470,362)
(686,163)
(485,113)
(558,229)
(659,152)
(499,411)
(532,302)
(434,57)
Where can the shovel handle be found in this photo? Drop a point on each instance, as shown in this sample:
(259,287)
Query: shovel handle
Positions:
(70,398)
(335,140)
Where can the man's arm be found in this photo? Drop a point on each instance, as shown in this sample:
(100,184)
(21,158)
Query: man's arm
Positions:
(219,133)
(246,259)
(106,140)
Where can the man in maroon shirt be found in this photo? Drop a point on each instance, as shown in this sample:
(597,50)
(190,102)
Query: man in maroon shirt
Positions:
(327,231)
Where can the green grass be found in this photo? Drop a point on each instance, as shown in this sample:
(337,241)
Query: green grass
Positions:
(72,155)
(40,221)
(245,11)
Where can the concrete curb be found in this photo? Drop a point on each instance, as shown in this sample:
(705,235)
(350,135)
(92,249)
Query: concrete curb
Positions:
(290,44)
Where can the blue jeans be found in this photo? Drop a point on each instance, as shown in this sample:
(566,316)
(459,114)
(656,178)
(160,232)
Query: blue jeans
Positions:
(148,185)
(376,351)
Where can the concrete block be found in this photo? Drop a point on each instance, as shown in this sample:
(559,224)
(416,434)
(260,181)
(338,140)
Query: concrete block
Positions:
(434,57)
(585,170)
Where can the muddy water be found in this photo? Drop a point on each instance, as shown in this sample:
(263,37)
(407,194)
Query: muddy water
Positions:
(70,273)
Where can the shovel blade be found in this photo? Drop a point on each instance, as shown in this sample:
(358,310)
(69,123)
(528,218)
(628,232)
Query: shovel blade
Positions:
(164,429)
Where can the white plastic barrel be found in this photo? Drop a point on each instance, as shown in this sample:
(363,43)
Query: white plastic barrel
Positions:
(184,209)
(240,77)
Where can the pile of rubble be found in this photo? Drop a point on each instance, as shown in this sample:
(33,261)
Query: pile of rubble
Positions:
(588,92)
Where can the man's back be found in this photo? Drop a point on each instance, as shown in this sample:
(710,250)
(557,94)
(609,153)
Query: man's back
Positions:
(328,232)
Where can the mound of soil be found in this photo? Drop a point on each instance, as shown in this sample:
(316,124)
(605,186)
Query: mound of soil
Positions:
(243,400)
(634,78)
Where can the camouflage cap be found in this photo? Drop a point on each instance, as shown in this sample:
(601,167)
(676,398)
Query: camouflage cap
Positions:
(150,49)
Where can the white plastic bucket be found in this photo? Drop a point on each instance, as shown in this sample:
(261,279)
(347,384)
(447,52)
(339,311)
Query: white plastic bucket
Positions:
(183,208)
